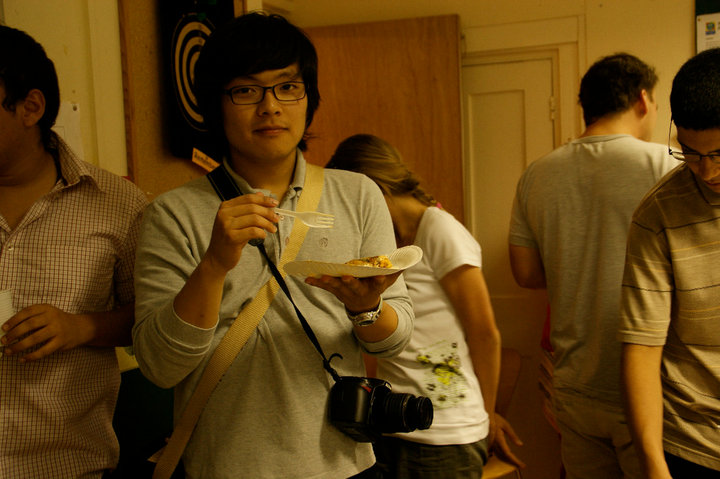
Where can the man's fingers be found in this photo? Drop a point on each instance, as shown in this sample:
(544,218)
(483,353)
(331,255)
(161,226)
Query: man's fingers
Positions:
(19,318)
(248,206)
(250,199)
(45,350)
(23,327)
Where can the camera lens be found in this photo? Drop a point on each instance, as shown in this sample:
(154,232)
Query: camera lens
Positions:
(402,413)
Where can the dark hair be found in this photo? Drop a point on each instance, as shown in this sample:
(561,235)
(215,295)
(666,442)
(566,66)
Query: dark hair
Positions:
(24,66)
(613,84)
(246,45)
(382,163)
(695,94)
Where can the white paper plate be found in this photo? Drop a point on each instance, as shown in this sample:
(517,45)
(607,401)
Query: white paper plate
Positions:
(401,259)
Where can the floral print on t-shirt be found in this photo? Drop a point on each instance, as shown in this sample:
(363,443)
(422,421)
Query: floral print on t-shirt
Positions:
(445,382)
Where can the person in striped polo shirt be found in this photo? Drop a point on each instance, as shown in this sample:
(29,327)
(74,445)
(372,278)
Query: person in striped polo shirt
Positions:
(670,309)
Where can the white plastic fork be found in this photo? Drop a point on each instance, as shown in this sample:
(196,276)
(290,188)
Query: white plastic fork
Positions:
(313,219)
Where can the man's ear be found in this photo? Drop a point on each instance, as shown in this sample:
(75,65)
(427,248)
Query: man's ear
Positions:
(32,108)
(642,105)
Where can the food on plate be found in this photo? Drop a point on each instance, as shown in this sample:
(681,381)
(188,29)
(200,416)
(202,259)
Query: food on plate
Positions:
(381,261)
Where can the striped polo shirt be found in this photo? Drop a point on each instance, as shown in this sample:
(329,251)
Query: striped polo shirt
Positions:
(671,297)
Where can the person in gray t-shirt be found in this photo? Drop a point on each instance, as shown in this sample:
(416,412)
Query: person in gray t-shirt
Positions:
(568,233)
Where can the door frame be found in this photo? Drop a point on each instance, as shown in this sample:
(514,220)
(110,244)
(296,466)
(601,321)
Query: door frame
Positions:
(561,40)
(541,53)
(471,166)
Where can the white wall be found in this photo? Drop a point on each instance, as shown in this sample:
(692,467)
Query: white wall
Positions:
(82,39)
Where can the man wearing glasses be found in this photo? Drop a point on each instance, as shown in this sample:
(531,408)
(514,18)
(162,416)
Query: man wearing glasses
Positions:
(671,293)
(568,233)
(256,82)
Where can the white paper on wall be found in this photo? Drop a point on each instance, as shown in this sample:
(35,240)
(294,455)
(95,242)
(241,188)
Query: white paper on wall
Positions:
(67,126)
(708,31)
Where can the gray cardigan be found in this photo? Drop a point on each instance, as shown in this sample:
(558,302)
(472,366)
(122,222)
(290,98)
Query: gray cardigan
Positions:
(268,415)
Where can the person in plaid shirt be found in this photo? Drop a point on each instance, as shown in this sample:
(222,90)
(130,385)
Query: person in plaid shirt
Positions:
(67,246)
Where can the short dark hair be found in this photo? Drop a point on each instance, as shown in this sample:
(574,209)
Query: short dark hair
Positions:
(25,66)
(246,45)
(613,84)
(695,94)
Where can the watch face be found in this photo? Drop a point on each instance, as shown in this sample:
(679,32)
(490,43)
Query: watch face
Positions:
(367,318)
(366,321)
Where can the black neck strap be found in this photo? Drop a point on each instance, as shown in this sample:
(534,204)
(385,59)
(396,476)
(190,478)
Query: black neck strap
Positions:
(226,189)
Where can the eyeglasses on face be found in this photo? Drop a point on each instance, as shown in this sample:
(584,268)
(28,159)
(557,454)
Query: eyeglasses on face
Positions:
(690,157)
(252,94)
(694,157)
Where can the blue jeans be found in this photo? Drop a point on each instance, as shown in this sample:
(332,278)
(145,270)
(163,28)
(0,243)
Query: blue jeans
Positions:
(400,459)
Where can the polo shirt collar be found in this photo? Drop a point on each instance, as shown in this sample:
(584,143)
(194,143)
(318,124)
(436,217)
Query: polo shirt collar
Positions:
(296,184)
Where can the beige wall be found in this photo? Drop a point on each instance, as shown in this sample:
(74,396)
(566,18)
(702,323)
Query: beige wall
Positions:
(81,36)
(82,39)
(660,33)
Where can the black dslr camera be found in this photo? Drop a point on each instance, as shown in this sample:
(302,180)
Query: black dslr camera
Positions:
(364,408)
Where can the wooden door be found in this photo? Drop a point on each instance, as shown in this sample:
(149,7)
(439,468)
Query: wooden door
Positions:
(399,80)
(509,123)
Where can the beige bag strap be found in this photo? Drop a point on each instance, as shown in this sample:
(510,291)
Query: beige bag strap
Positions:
(238,334)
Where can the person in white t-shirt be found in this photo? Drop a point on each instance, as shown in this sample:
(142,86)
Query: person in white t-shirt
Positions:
(454,354)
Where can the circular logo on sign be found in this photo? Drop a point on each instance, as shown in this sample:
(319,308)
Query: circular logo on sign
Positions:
(188,38)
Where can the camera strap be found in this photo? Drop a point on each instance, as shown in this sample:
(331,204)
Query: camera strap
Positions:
(243,326)
(308,330)
(226,188)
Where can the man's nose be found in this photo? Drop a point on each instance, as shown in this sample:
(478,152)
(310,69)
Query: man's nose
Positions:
(269,104)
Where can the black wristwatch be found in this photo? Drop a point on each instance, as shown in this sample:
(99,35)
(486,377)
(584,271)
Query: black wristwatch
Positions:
(367,318)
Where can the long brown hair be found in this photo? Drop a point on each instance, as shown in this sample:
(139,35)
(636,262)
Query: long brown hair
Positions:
(382,163)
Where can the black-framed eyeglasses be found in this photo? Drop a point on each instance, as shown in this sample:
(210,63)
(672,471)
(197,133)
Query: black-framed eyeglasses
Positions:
(252,94)
(690,157)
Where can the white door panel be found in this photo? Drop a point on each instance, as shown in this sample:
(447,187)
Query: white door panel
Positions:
(508,122)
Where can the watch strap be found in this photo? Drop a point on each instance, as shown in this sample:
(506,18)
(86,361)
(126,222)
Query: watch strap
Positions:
(365,318)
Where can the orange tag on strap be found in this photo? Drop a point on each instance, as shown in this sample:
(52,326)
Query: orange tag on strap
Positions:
(204,161)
